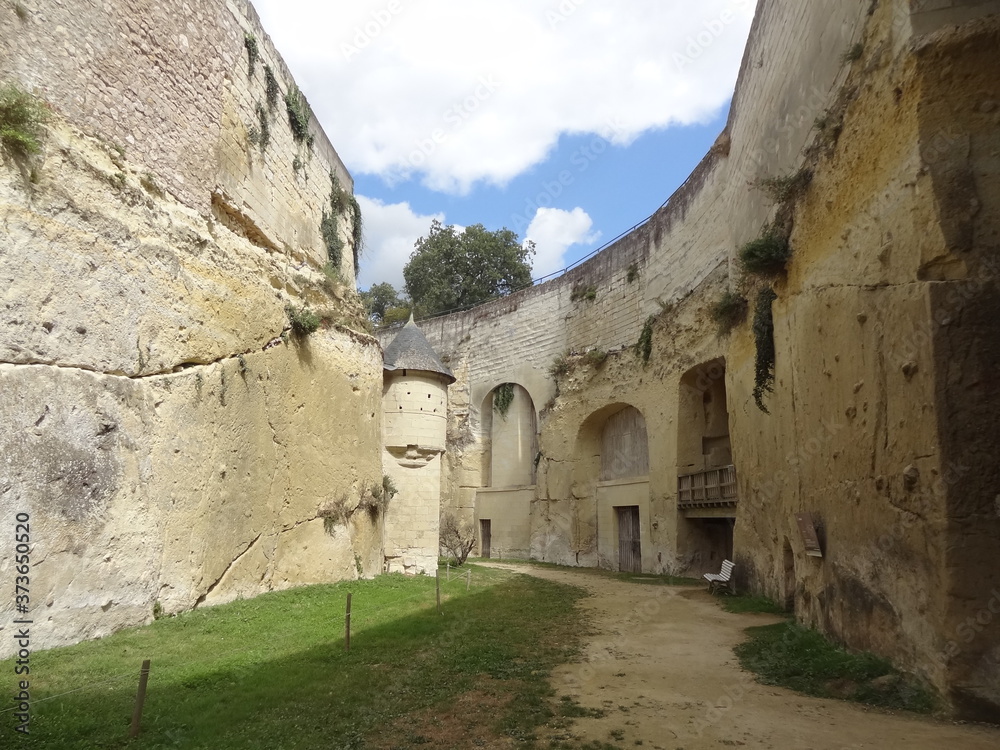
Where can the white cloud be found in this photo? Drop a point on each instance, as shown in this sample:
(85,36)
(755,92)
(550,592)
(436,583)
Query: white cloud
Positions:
(390,233)
(454,92)
(553,231)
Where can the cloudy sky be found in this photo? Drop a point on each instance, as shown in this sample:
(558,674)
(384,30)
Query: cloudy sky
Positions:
(568,121)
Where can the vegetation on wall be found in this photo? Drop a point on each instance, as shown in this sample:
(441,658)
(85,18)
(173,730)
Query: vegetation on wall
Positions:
(253,52)
(303,320)
(633,273)
(728,311)
(768,255)
(22,120)
(263,128)
(357,231)
(596,358)
(763,334)
(375,499)
(271,89)
(341,201)
(784,189)
(586,292)
(299,113)
(503,397)
(643,348)
(559,366)
(854,52)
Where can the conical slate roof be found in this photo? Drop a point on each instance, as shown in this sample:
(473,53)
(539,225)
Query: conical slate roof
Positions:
(410,350)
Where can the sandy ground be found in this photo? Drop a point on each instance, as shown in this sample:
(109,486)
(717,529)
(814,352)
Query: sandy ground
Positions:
(661,665)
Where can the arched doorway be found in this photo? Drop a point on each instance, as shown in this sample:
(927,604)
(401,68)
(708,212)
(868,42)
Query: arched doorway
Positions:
(706,476)
(510,435)
(612,453)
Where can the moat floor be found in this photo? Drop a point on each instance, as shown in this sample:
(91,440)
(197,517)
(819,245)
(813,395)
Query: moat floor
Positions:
(661,666)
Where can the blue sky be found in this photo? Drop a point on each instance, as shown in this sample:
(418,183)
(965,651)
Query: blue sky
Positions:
(568,121)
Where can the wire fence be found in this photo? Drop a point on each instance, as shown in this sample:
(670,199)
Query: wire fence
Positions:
(365,615)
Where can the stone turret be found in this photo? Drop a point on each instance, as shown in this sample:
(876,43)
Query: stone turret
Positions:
(414,428)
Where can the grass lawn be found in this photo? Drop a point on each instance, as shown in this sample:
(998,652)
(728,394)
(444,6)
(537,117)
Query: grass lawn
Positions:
(272,673)
(795,657)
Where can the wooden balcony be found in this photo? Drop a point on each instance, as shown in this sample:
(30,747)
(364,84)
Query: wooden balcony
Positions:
(714,490)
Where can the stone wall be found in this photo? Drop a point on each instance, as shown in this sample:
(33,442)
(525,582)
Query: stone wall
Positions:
(881,422)
(172,442)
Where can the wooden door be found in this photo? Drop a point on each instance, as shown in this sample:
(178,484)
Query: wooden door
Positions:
(484,536)
(629,550)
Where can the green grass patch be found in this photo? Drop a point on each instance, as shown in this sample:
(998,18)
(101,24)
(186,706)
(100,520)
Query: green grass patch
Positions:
(747,603)
(791,656)
(271,672)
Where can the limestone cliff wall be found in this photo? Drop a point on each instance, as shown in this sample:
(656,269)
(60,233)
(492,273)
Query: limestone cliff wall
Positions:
(171,440)
(882,417)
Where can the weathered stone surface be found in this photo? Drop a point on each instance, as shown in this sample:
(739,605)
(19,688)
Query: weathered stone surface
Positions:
(170,440)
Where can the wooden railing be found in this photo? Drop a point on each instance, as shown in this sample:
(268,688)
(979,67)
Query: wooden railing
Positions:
(706,489)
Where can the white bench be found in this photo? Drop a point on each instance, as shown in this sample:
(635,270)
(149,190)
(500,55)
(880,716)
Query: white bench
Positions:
(722,578)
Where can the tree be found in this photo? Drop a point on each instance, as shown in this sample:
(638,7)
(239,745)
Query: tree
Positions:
(457,537)
(451,270)
(379,298)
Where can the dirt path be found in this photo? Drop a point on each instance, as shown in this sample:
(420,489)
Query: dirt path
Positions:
(661,665)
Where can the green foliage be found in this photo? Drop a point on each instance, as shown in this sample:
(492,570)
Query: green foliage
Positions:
(22,120)
(303,320)
(157,610)
(263,127)
(853,53)
(299,113)
(748,603)
(643,348)
(784,189)
(768,255)
(581,292)
(728,311)
(253,52)
(376,498)
(378,299)
(340,202)
(449,270)
(271,89)
(357,231)
(395,315)
(503,397)
(331,238)
(633,273)
(829,126)
(560,366)
(795,657)
(596,358)
(763,334)
(389,487)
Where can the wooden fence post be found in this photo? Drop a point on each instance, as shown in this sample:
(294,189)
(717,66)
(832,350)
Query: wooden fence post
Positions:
(347,625)
(468,579)
(140,699)
(437,581)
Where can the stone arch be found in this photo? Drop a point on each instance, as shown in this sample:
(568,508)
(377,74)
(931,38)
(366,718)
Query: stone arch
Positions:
(706,476)
(509,430)
(611,476)
(509,434)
